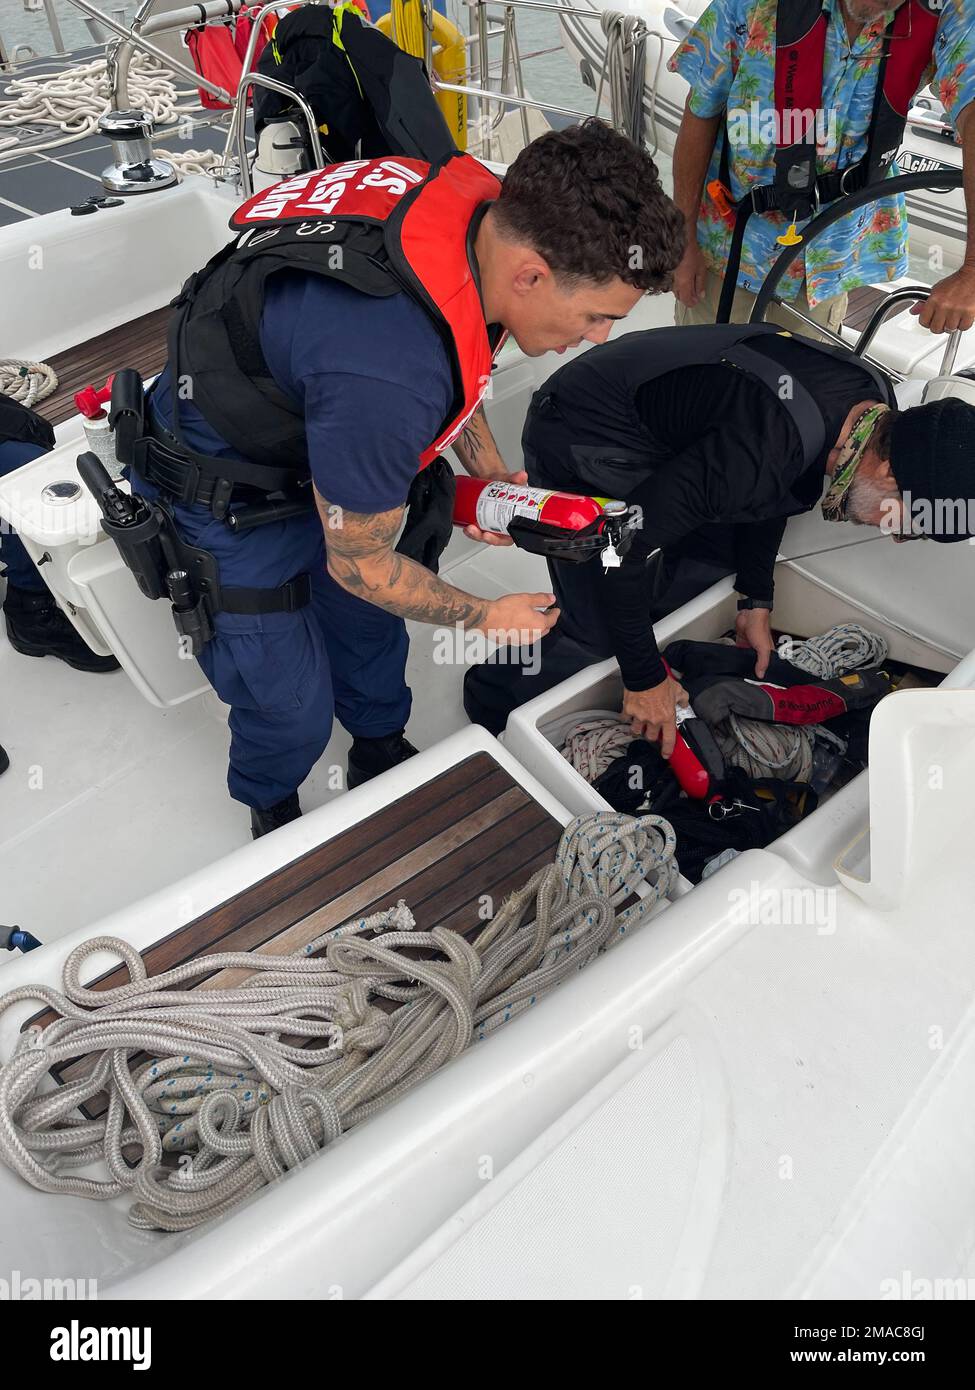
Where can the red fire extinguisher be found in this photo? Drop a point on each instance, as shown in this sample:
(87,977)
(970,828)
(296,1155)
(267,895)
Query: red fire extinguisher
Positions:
(696,760)
(563,525)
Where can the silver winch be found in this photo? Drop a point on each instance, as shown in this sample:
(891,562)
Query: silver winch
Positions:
(134,170)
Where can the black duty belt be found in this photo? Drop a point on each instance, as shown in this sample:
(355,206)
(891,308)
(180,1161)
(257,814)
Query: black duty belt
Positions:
(191,478)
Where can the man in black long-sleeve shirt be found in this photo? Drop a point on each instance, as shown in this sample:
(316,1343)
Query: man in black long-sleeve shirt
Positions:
(716,460)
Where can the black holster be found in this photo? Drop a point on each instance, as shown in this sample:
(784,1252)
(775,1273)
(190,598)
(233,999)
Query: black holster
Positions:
(163,564)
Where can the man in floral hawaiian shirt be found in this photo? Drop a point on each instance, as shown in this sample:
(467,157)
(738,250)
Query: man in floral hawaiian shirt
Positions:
(729,60)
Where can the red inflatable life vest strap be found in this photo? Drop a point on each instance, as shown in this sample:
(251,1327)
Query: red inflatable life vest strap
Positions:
(912,44)
(803,704)
(799,74)
(909,44)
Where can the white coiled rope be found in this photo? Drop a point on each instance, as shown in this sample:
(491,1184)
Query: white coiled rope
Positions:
(229,1084)
(845,647)
(206,162)
(590,740)
(27,382)
(72,101)
(785,751)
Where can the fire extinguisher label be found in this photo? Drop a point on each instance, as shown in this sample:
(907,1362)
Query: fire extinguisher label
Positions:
(500,503)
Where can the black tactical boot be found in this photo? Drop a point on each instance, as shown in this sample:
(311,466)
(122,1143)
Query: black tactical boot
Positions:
(37,627)
(263,822)
(368,757)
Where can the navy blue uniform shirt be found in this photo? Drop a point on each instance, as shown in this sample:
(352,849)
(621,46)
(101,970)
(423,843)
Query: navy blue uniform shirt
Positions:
(370,375)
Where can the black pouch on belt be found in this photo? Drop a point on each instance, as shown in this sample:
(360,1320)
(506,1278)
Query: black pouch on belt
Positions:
(430,515)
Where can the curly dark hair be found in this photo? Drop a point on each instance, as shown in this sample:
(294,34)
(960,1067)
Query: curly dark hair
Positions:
(591,202)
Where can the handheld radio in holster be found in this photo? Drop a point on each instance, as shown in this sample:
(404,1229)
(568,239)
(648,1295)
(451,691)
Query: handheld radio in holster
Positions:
(126,412)
(163,564)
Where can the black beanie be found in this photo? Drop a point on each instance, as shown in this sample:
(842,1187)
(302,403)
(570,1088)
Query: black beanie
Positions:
(932,458)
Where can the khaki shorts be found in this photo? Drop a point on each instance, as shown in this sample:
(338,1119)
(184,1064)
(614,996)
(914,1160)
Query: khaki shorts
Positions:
(829,312)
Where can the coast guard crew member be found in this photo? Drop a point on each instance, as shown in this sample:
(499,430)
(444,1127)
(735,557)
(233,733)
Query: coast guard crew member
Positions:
(347,336)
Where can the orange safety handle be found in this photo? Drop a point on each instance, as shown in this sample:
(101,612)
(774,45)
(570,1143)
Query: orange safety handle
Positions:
(722,200)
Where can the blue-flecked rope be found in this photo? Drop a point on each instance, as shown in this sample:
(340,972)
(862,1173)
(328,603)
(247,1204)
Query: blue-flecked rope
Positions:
(232,1098)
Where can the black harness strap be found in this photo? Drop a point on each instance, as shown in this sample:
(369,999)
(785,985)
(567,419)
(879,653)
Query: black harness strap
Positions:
(806,415)
(287,599)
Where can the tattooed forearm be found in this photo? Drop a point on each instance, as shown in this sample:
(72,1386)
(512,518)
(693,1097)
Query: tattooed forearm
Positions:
(477,450)
(361,558)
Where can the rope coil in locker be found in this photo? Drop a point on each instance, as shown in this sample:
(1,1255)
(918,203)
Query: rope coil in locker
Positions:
(225,1082)
(591,740)
(786,751)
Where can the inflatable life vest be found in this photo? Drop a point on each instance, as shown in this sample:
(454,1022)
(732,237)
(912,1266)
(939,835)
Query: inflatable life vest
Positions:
(383,226)
(218,49)
(800,47)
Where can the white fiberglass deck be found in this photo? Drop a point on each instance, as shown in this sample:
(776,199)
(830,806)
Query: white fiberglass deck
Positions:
(108,798)
(734,1103)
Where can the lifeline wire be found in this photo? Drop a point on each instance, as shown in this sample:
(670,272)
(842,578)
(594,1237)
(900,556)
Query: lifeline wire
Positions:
(227,1081)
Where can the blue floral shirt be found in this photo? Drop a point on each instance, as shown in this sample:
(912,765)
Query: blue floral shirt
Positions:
(729,61)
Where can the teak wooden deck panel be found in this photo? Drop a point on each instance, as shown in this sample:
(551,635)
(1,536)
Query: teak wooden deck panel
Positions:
(863,301)
(140,344)
(470,831)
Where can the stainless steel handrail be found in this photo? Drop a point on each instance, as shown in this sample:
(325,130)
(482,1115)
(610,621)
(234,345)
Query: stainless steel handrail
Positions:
(145,23)
(909,294)
(539,5)
(510,58)
(240,97)
(54,26)
(239,121)
(509,99)
(511,62)
(256,28)
(927,120)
